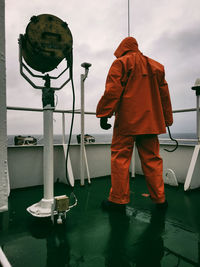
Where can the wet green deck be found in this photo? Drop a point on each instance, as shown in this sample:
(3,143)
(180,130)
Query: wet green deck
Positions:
(93,238)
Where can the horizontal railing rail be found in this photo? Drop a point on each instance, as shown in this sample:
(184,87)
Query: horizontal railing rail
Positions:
(78,111)
(179,139)
(184,110)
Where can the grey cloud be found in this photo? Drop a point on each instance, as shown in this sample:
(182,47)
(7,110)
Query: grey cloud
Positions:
(180,46)
(179,52)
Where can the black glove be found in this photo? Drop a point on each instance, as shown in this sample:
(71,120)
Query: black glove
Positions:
(104,123)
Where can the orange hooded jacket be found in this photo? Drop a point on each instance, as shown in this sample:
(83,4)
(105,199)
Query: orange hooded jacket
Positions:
(136,91)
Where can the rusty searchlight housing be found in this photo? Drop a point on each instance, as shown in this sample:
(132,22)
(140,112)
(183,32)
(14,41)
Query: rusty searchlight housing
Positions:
(46,42)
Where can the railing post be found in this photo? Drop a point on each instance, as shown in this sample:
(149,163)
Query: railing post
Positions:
(68,168)
(63,127)
(82,166)
(83,156)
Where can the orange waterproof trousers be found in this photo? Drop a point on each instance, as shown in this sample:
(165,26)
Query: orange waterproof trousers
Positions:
(152,166)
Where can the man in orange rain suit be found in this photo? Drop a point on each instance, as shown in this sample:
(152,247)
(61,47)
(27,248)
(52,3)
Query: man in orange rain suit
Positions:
(137,93)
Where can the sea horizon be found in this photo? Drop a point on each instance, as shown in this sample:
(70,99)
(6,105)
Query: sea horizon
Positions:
(99,138)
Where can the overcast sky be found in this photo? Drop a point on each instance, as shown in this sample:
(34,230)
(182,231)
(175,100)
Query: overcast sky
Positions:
(166,30)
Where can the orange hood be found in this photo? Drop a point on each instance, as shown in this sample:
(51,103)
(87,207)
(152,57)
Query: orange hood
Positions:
(126,45)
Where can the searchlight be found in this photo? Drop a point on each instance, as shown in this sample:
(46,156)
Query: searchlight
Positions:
(47,41)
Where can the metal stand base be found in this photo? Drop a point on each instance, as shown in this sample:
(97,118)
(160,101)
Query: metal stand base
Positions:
(42,208)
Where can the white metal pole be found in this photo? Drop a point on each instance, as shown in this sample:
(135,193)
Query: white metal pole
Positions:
(65,147)
(128,18)
(63,128)
(3,260)
(86,164)
(3,118)
(82,167)
(48,153)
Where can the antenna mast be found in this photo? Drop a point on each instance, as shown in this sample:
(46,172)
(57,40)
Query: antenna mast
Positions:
(128,18)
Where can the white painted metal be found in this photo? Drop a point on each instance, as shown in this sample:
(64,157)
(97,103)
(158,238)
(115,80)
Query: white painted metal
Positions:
(3,260)
(179,139)
(179,161)
(4,188)
(63,128)
(191,175)
(48,152)
(83,155)
(82,166)
(86,112)
(128,18)
(65,147)
(26,168)
(69,166)
(41,209)
(44,207)
(55,111)
(191,181)
(87,167)
(169,177)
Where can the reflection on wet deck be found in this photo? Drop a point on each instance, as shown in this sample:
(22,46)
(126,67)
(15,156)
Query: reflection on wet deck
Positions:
(93,238)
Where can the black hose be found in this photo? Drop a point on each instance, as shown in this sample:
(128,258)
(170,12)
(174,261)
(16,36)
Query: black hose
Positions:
(172,140)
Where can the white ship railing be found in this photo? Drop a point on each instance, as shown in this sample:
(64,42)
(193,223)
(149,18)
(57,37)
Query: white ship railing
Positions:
(182,139)
(86,112)
(55,111)
(194,159)
(78,111)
